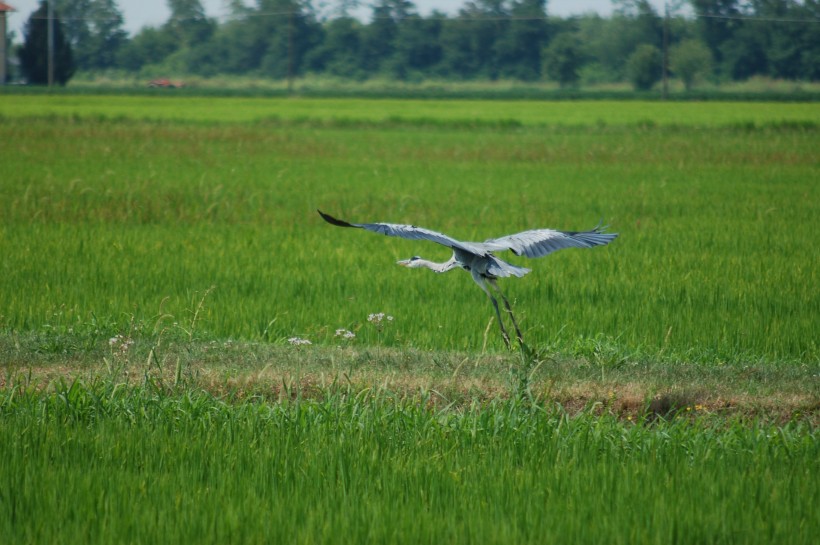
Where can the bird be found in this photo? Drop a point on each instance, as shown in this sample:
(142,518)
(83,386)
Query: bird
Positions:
(479,259)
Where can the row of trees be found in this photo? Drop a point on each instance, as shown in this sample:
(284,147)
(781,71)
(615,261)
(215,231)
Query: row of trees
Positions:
(485,39)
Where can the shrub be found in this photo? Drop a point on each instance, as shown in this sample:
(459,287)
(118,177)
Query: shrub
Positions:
(644,67)
(690,60)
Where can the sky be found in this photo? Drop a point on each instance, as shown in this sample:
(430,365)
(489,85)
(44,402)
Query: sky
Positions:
(140,13)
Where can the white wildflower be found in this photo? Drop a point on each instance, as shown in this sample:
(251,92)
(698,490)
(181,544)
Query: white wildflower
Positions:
(377,318)
(120,344)
(298,341)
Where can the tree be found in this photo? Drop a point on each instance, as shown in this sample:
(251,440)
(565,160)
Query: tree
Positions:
(189,23)
(340,51)
(562,59)
(810,50)
(644,67)
(417,46)
(33,54)
(519,48)
(457,49)
(744,54)
(379,37)
(487,39)
(287,39)
(238,40)
(718,21)
(94,28)
(150,46)
(785,43)
(608,42)
(75,25)
(488,23)
(106,36)
(690,60)
(599,65)
(645,25)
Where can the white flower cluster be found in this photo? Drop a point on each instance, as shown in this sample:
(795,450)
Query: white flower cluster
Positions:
(378,317)
(120,344)
(345,334)
(298,341)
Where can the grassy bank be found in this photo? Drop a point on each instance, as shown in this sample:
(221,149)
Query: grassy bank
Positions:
(754,89)
(112,224)
(432,113)
(143,463)
(189,353)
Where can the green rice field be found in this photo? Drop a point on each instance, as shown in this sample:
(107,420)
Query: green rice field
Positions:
(89,464)
(112,220)
(466,112)
(164,268)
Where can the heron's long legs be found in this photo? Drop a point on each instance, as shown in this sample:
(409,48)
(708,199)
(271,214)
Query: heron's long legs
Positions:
(500,321)
(482,283)
(518,334)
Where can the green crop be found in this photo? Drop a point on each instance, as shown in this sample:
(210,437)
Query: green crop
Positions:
(100,463)
(168,251)
(116,222)
(511,113)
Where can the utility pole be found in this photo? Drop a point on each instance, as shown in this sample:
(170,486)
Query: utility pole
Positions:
(290,51)
(50,43)
(4,9)
(665,50)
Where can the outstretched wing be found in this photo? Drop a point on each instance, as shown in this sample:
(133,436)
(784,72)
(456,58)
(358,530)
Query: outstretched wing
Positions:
(409,232)
(540,242)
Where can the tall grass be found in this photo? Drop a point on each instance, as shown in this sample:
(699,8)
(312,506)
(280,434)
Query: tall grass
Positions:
(102,463)
(108,225)
(213,109)
(122,225)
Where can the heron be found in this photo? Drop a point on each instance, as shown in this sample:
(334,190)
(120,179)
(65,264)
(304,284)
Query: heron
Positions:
(479,259)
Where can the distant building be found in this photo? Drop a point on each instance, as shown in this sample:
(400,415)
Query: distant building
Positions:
(4,8)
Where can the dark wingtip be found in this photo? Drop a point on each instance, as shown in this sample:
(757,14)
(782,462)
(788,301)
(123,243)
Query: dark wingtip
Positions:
(333,221)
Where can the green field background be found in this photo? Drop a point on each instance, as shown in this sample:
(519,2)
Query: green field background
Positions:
(184,223)
(125,213)
(523,112)
(105,464)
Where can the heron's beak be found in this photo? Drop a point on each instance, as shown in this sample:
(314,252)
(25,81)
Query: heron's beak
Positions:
(403,262)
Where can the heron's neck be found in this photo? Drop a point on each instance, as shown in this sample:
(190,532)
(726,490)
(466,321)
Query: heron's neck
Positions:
(437,267)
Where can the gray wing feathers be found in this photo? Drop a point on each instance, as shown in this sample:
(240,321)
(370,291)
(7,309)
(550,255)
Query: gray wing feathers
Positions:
(412,232)
(407,231)
(535,243)
(541,242)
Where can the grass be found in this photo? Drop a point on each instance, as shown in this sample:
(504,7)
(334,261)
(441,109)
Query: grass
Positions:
(159,253)
(757,88)
(361,465)
(106,223)
(589,380)
(527,113)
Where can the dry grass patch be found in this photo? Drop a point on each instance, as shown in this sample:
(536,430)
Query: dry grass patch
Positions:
(275,373)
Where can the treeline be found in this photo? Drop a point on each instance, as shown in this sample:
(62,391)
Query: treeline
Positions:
(484,40)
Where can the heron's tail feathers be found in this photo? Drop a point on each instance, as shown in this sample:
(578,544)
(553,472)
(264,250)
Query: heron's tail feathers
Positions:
(595,237)
(502,269)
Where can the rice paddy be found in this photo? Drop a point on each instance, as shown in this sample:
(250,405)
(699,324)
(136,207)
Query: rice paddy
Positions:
(144,466)
(144,239)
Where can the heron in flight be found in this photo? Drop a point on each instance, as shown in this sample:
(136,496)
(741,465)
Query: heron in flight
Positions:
(478,258)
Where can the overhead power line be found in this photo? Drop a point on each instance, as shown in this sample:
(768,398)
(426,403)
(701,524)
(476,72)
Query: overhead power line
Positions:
(756,18)
(288,13)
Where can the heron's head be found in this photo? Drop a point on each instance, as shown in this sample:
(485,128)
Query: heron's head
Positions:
(413,262)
